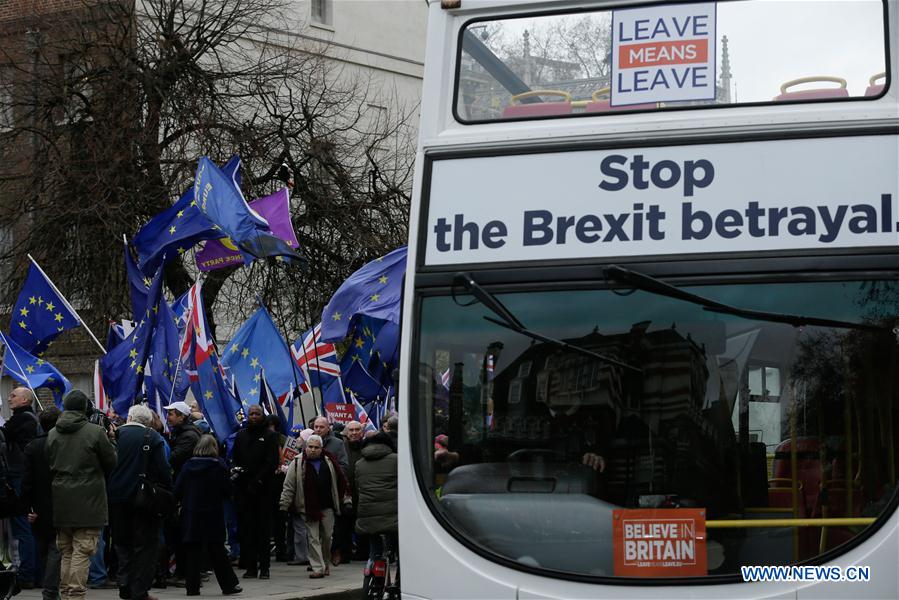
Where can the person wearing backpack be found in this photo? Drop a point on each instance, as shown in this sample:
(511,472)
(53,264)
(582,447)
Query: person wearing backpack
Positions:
(21,428)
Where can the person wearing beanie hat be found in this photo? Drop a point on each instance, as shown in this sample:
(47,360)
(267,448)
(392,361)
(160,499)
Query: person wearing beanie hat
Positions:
(81,457)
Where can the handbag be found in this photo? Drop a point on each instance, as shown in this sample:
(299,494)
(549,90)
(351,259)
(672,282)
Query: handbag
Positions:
(151,497)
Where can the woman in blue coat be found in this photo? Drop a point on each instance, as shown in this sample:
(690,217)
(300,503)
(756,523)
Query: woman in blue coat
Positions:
(202,487)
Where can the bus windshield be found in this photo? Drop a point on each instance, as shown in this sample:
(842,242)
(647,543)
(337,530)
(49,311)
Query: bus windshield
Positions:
(527,447)
(658,57)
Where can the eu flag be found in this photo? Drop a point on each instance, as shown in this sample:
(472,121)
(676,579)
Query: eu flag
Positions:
(178,228)
(32,371)
(361,341)
(219,406)
(138,286)
(257,345)
(123,367)
(385,354)
(40,314)
(358,382)
(168,377)
(374,290)
(223,204)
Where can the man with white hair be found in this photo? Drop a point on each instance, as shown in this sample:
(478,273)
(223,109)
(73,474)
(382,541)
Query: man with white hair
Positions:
(345,523)
(19,431)
(135,532)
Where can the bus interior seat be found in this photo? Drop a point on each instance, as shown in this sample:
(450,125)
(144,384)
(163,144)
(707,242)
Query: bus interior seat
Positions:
(814,93)
(809,468)
(875,89)
(601,102)
(565,532)
(538,109)
(522,478)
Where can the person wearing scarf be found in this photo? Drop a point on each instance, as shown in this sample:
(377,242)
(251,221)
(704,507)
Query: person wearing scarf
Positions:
(315,487)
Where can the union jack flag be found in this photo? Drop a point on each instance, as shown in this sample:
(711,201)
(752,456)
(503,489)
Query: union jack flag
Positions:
(317,360)
(99,393)
(196,333)
(445,379)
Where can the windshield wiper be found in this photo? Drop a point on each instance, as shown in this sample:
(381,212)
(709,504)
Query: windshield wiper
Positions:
(656,286)
(510,321)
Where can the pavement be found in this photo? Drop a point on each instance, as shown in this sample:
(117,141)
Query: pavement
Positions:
(287,583)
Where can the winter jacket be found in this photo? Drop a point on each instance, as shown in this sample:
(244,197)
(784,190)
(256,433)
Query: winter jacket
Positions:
(124,479)
(256,452)
(37,486)
(376,478)
(354,453)
(21,428)
(80,457)
(184,439)
(203,486)
(293,496)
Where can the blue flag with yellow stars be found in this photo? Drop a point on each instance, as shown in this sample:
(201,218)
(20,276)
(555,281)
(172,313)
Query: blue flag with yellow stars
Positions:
(362,340)
(40,314)
(374,290)
(138,286)
(177,229)
(222,410)
(32,371)
(123,367)
(385,354)
(168,375)
(359,382)
(222,202)
(257,345)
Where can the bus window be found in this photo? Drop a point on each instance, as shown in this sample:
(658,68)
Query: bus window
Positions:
(559,65)
(529,447)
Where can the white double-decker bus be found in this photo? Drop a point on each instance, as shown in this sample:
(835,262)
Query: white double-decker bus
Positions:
(651,308)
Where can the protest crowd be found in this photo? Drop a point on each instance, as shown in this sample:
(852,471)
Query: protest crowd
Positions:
(190,460)
(310,499)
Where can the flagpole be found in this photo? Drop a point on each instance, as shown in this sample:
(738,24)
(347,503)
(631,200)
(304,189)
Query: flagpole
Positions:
(66,302)
(21,370)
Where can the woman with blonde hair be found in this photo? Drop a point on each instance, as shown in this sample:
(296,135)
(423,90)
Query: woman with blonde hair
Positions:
(202,486)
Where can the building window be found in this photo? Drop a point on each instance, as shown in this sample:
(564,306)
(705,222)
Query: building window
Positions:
(321,11)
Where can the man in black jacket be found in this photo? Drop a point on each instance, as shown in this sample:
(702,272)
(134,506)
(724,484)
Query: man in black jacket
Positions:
(185,434)
(256,455)
(184,438)
(19,431)
(135,533)
(36,497)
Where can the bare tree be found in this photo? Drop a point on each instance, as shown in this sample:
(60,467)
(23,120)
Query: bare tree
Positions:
(112,102)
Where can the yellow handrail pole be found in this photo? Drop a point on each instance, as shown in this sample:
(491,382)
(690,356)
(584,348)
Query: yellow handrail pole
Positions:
(760,523)
(794,465)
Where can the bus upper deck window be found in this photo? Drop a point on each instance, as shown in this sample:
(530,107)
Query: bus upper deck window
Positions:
(648,58)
